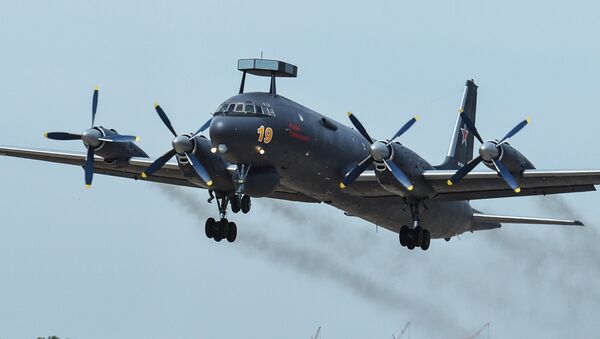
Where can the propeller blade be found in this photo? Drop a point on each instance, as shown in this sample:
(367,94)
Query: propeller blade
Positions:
(158,163)
(404,128)
(355,172)
(399,175)
(62,136)
(89,167)
(120,138)
(202,173)
(360,127)
(471,127)
(515,130)
(203,128)
(464,171)
(165,119)
(94,104)
(507,176)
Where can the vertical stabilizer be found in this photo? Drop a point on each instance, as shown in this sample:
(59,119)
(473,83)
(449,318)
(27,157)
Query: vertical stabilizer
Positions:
(461,144)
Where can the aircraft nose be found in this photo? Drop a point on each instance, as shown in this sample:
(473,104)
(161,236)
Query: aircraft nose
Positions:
(235,137)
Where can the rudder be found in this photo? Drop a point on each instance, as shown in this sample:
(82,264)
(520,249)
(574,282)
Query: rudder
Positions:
(461,145)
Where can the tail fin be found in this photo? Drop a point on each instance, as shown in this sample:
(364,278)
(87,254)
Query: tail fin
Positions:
(461,145)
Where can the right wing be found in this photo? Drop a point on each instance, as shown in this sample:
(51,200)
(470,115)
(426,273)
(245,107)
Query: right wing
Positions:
(168,174)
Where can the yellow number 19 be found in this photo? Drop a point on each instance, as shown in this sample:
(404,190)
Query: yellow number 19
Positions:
(265,134)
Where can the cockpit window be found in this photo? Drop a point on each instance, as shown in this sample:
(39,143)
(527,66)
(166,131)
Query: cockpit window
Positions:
(245,109)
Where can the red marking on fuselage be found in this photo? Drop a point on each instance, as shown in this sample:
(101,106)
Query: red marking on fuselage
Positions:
(295,127)
(299,136)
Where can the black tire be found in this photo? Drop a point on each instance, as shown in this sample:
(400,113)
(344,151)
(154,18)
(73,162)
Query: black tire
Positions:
(245,204)
(403,234)
(223,228)
(418,235)
(232,232)
(447,239)
(217,238)
(235,204)
(410,241)
(426,240)
(209,227)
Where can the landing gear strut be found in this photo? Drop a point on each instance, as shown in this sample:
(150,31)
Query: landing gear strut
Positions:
(415,236)
(222,229)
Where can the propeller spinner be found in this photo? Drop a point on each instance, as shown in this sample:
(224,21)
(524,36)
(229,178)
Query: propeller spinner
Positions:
(379,152)
(92,138)
(182,145)
(490,151)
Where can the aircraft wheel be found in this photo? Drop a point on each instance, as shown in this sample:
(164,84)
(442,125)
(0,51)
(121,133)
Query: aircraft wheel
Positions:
(447,239)
(418,235)
(410,241)
(403,234)
(232,234)
(426,240)
(235,204)
(209,227)
(223,228)
(245,204)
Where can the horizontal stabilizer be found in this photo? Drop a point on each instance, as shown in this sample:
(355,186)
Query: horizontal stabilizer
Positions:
(477,217)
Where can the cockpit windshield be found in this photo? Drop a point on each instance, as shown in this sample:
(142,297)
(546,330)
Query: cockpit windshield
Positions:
(245,109)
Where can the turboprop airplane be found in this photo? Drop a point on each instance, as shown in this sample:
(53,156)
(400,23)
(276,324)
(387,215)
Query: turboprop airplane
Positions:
(263,144)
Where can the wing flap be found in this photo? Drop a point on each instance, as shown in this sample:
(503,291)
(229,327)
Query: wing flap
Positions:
(485,218)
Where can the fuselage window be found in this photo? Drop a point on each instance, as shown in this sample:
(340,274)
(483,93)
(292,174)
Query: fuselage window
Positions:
(249,109)
(231,107)
(259,110)
(239,108)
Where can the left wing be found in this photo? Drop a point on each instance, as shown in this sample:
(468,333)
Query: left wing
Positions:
(488,185)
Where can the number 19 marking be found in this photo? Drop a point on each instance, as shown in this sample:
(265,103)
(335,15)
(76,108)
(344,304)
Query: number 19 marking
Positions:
(265,134)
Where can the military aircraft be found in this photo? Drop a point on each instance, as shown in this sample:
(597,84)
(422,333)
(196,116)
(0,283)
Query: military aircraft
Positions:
(263,144)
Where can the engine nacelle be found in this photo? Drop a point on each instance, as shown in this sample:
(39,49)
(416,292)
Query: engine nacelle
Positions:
(117,154)
(260,181)
(512,159)
(411,164)
(215,166)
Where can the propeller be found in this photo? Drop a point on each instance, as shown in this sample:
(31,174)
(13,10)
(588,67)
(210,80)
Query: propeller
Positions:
(379,152)
(92,139)
(490,152)
(183,145)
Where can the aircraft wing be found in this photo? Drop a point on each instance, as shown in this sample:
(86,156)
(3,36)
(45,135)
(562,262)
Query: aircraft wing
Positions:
(489,185)
(168,174)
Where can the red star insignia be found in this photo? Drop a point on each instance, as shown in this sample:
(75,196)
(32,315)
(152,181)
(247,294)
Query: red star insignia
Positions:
(465,135)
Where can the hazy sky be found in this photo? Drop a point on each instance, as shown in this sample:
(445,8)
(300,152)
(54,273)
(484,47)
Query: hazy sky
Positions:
(130,259)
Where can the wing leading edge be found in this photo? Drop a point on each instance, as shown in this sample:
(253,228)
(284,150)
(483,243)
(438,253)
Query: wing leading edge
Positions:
(485,218)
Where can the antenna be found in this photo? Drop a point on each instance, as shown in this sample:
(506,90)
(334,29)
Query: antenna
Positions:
(261,54)
(316,334)
(404,330)
(478,333)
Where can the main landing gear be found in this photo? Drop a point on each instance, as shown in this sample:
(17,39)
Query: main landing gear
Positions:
(416,236)
(224,229)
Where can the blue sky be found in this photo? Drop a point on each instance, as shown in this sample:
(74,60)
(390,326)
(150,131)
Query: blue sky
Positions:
(129,259)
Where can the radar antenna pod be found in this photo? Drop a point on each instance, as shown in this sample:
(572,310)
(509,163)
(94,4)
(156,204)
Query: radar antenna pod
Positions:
(266,68)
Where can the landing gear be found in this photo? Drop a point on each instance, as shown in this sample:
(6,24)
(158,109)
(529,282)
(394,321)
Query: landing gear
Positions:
(240,202)
(222,229)
(245,204)
(416,236)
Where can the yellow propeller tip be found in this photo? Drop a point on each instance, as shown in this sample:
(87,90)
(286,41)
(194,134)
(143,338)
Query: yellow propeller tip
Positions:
(97,88)
(144,175)
(449,182)
(528,120)
(137,139)
(46,135)
(518,190)
(461,110)
(342,186)
(349,113)
(210,183)
(410,188)
(88,186)
(417,117)
(155,104)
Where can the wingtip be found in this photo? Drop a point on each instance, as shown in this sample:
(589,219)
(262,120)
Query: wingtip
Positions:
(578,223)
